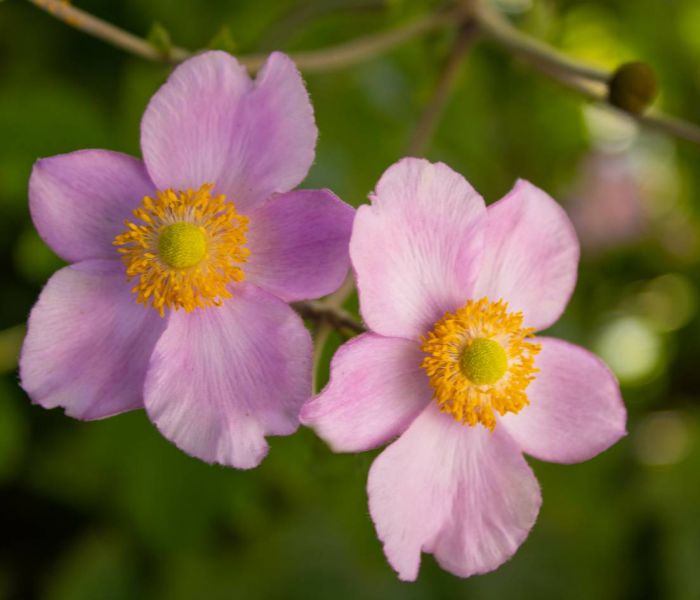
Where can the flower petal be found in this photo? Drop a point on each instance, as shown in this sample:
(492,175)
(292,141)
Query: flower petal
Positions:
(79,201)
(530,255)
(462,493)
(222,378)
(417,249)
(88,343)
(209,123)
(299,244)
(575,411)
(377,388)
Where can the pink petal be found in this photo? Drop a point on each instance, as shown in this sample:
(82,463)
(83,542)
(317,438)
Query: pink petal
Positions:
(377,388)
(299,244)
(224,377)
(417,249)
(211,124)
(575,411)
(88,343)
(530,255)
(462,493)
(79,200)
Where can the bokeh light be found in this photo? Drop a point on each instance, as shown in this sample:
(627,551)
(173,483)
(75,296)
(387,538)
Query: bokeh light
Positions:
(633,349)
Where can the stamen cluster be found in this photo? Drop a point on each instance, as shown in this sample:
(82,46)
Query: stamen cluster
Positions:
(451,361)
(159,251)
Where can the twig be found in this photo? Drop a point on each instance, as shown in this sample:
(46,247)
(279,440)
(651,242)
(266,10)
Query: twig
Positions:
(446,81)
(672,125)
(355,51)
(314,61)
(333,306)
(652,119)
(339,318)
(573,75)
(530,49)
(111,34)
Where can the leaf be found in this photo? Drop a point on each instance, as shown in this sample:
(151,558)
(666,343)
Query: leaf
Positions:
(160,39)
(223,40)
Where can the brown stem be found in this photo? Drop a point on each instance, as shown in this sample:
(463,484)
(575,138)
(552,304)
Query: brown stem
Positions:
(446,82)
(313,61)
(578,77)
(327,318)
(84,21)
(493,25)
(652,119)
(337,317)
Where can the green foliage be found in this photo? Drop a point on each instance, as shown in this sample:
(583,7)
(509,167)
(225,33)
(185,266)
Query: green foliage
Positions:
(111,510)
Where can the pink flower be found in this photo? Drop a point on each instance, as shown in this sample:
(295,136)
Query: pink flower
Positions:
(452,292)
(207,224)
(608,205)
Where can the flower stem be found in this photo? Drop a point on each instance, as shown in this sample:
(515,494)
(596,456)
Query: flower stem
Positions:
(84,21)
(587,81)
(337,317)
(332,307)
(446,81)
(312,61)
(495,26)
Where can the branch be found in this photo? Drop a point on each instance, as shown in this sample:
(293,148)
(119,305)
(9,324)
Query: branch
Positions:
(587,81)
(331,307)
(79,19)
(336,316)
(364,48)
(446,81)
(314,61)
(530,49)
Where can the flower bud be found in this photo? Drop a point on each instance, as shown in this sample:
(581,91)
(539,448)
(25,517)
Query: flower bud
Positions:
(632,87)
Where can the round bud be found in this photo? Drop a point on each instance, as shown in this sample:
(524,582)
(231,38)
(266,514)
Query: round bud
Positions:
(632,87)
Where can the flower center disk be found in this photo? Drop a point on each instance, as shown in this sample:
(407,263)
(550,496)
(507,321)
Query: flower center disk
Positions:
(484,361)
(480,360)
(182,245)
(183,249)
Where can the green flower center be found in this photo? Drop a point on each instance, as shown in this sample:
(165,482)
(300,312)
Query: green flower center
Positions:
(182,245)
(484,361)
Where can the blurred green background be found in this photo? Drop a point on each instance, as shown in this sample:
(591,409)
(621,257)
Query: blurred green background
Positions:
(110,510)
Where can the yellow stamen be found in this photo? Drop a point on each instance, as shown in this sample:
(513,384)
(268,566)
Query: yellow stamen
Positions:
(185,249)
(480,361)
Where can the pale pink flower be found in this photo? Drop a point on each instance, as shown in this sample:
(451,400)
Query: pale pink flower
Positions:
(607,206)
(452,292)
(206,235)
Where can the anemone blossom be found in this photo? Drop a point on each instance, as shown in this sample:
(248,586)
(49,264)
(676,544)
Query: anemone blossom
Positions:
(453,293)
(183,265)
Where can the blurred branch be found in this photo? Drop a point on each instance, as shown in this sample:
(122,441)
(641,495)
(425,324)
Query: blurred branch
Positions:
(653,119)
(589,82)
(296,17)
(446,81)
(79,19)
(10,344)
(330,315)
(313,61)
(360,49)
(537,53)
(336,316)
